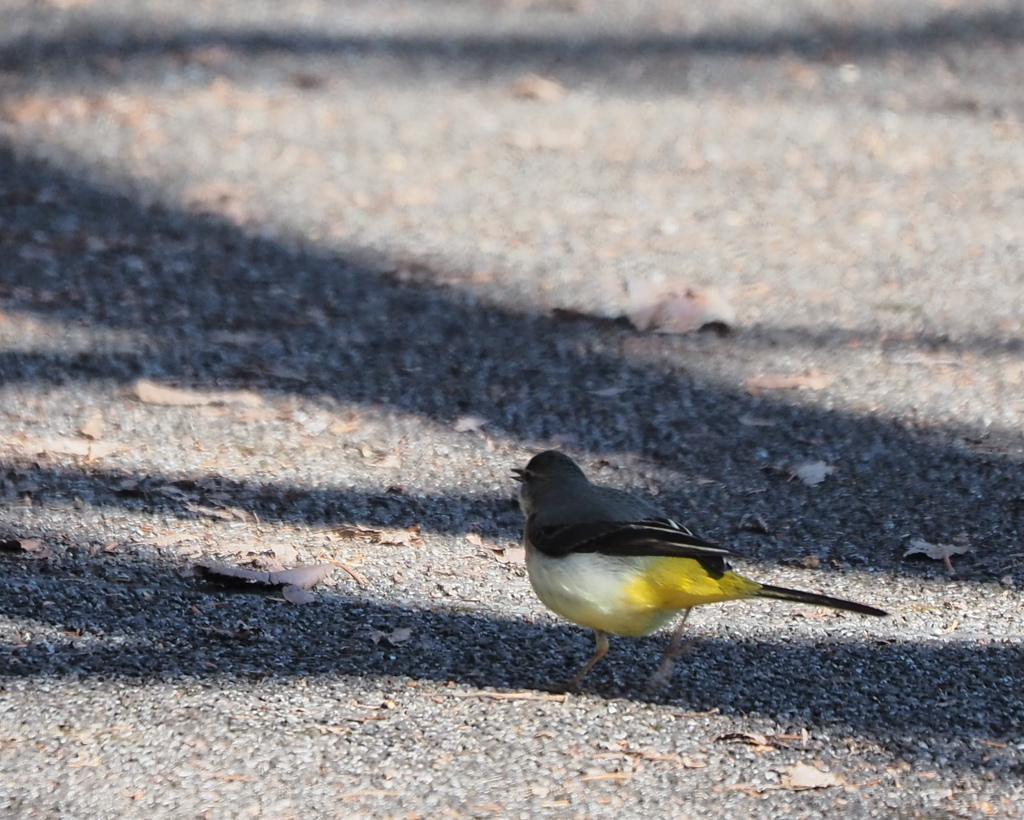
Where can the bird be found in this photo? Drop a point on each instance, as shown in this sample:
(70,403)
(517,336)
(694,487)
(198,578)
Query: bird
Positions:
(612,561)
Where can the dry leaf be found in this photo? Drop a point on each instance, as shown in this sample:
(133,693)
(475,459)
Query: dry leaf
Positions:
(535,87)
(558,698)
(297,595)
(64,447)
(758,742)
(938,552)
(153,393)
(37,550)
(358,577)
(678,309)
(232,576)
(93,428)
(812,473)
(285,553)
(383,460)
(250,415)
(469,424)
(167,540)
(356,531)
(744,788)
(755,523)
(510,555)
(608,392)
(693,762)
(746,737)
(32,547)
(393,638)
(340,427)
(567,314)
(409,537)
(302,577)
(503,555)
(220,513)
(169,490)
(802,776)
(594,774)
(399,538)
(800,381)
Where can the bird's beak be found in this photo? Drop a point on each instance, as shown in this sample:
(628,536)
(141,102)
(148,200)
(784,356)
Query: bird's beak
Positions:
(518,474)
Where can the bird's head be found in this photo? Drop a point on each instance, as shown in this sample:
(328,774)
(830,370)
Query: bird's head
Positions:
(547,469)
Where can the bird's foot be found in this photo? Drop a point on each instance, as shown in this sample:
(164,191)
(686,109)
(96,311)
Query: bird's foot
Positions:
(663,674)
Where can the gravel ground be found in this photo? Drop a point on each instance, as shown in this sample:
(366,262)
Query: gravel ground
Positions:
(382,249)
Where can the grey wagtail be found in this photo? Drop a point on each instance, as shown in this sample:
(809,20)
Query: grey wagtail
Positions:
(615,563)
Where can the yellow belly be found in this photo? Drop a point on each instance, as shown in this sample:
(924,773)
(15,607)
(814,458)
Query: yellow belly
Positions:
(628,596)
(681,583)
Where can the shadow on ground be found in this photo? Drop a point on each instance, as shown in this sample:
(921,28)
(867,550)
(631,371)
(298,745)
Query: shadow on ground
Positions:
(194,301)
(202,303)
(98,45)
(163,625)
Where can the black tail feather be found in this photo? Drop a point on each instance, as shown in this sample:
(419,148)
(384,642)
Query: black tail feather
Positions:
(798,596)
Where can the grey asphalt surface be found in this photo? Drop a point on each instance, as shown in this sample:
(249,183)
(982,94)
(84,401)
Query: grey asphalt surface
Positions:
(406,260)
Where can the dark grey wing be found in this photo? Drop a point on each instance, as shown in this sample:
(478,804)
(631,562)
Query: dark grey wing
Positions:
(649,537)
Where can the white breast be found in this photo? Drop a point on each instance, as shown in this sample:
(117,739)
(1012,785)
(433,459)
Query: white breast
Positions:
(590,589)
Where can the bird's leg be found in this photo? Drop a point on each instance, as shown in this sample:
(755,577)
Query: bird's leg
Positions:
(664,672)
(600,650)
